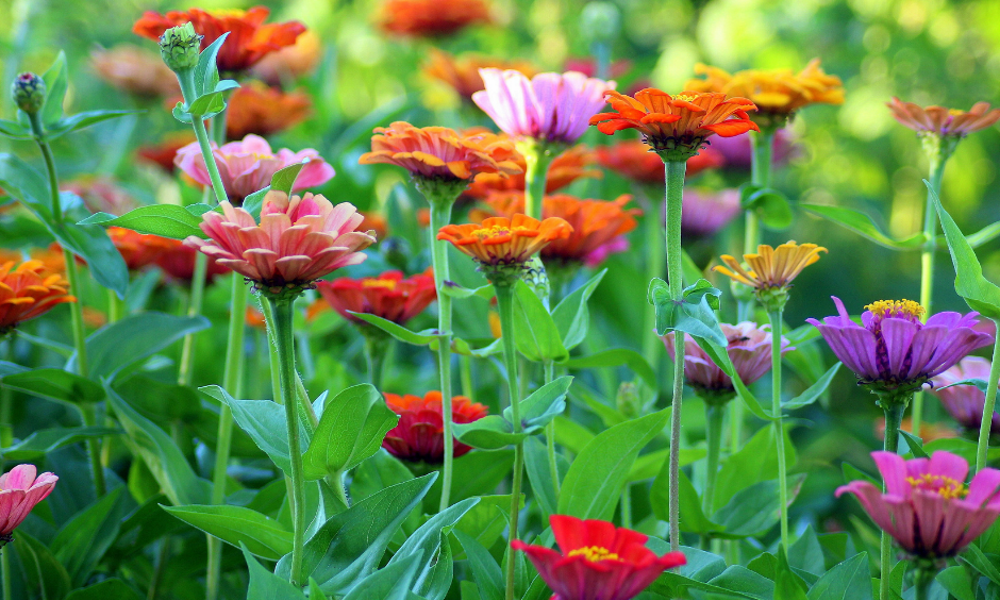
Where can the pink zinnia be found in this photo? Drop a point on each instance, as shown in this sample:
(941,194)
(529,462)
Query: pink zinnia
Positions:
(247,166)
(965,403)
(298,240)
(20,491)
(927,507)
(705,212)
(551,107)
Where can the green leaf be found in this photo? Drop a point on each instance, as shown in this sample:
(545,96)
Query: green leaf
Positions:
(572,317)
(862,224)
(83,120)
(475,474)
(236,525)
(915,444)
(208,105)
(13,129)
(538,338)
(787,585)
(284,179)
(694,314)
(430,540)
(262,420)
(987,567)
(983,236)
(849,579)
(93,245)
(56,83)
(82,542)
(109,588)
(487,519)
(41,569)
(771,205)
(255,201)
(536,465)
(206,72)
(393,582)
(454,290)
(56,384)
(485,569)
(813,392)
(494,431)
(265,585)
(542,405)
(957,582)
(615,357)
(41,442)
(756,461)
(350,430)
(166,220)
(754,510)
(21,181)
(594,481)
(398,331)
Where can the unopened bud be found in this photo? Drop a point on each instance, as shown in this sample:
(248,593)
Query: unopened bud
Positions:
(627,400)
(29,92)
(180,46)
(537,279)
(600,22)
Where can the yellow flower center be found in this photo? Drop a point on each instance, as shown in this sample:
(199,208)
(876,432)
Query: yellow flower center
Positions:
(946,487)
(496,231)
(686,97)
(389,284)
(896,308)
(221,13)
(594,553)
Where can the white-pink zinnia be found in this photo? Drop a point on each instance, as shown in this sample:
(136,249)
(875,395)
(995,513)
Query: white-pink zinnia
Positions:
(20,491)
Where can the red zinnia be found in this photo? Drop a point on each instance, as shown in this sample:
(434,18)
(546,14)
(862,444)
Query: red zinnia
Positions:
(389,295)
(419,435)
(138,249)
(599,561)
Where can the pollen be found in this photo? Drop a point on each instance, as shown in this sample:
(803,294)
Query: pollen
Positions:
(594,553)
(907,309)
(496,231)
(389,284)
(946,487)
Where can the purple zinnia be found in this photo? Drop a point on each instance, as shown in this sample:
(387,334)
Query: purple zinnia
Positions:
(965,403)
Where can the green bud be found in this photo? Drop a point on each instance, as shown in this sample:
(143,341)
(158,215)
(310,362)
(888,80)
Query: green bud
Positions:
(537,279)
(180,46)
(627,400)
(600,22)
(29,92)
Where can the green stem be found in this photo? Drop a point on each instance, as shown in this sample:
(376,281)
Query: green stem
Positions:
(550,434)
(5,573)
(988,408)
(774,317)
(88,414)
(116,307)
(505,305)
(760,175)
(714,416)
(186,81)
(465,373)
(674,173)
(375,350)
(652,346)
(186,367)
(627,506)
(537,158)
(162,556)
(7,402)
(736,412)
(284,338)
(922,581)
(893,419)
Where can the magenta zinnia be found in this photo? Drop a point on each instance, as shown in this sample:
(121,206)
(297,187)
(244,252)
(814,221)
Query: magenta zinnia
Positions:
(965,403)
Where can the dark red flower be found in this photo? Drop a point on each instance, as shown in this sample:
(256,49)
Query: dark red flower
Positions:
(598,561)
(388,296)
(177,261)
(163,153)
(419,435)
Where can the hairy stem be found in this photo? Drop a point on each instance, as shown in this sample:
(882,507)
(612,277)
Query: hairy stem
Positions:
(893,419)
(550,434)
(441,216)
(655,257)
(760,175)
(714,416)
(774,317)
(505,305)
(674,172)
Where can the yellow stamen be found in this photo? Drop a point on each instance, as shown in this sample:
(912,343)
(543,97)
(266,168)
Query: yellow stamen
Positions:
(227,12)
(389,284)
(685,97)
(496,231)
(594,553)
(896,308)
(946,487)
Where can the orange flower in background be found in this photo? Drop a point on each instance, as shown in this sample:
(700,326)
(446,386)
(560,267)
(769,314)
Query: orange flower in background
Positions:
(676,125)
(291,62)
(101,194)
(419,435)
(634,160)
(440,152)
(177,262)
(250,39)
(135,70)
(389,295)
(52,258)
(424,217)
(259,109)
(254,318)
(461,73)
(565,169)
(138,249)
(27,291)
(941,121)
(163,153)
(501,241)
(374,222)
(431,18)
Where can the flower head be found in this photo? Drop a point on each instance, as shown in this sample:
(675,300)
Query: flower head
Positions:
(634,160)
(771,269)
(256,108)
(247,166)
(893,350)
(135,70)
(598,561)
(432,18)
(965,403)
(163,153)
(941,121)
(389,295)
(550,107)
(20,491)
(298,240)
(28,92)
(250,39)
(27,291)
(419,435)
(927,508)
(101,194)
(138,249)
(749,349)
(564,169)
(177,261)
(291,62)
(461,73)
(705,212)
(676,126)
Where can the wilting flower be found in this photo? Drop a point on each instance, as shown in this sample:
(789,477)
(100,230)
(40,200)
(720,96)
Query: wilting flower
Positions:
(177,261)
(28,291)
(778,93)
(965,403)
(419,435)
(550,107)
(163,154)
(291,62)
(598,561)
(135,70)
(772,270)
(941,121)
(21,491)
(138,249)
(927,508)
(676,125)
(893,350)
(250,39)
(389,295)
(247,166)
(564,169)
(101,194)
(706,212)
(462,73)
(431,18)
(749,349)
(634,160)
(256,108)
(299,240)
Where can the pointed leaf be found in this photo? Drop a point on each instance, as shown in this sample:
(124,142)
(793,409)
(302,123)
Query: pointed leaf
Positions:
(572,317)
(41,442)
(56,384)
(616,357)
(56,83)
(265,585)
(82,120)
(392,582)
(82,542)
(166,220)
(262,420)
(862,224)
(538,337)
(238,526)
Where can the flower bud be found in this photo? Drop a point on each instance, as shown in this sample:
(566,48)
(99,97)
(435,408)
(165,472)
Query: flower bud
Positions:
(627,400)
(29,92)
(600,22)
(537,279)
(180,46)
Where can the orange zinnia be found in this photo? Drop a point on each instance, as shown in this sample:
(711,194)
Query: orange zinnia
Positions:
(462,73)
(291,62)
(941,121)
(263,110)
(564,170)
(250,39)
(634,160)
(138,249)
(374,222)
(676,126)
(28,291)
(135,70)
(432,18)
(500,241)
(771,267)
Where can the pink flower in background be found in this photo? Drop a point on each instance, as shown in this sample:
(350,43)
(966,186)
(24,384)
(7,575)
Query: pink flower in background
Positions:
(298,240)
(20,491)
(965,403)
(706,212)
(247,166)
(602,252)
(551,107)
(739,155)
(927,507)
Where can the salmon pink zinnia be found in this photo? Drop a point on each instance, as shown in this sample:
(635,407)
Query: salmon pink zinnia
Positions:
(21,491)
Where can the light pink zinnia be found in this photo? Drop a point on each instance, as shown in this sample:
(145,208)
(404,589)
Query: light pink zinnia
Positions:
(247,166)
(20,491)
(551,107)
(965,403)
(706,212)
(749,349)
(298,240)
(927,507)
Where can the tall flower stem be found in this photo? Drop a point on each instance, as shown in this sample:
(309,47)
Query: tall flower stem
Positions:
(714,415)
(762,144)
(537,158)
(655,257)
(893,420)
(922,581)
(505,305)
(550,434)
(674,173)
(193,310)
(990,406)
(376,346)
(774,317)
(186,80)
(116,307)
(284,339)
(5,573)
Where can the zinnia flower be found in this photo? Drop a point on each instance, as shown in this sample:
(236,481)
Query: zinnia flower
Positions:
(419,435)
(927,507)
(291,62)
(676,125)
(138,249)
(258,109)
(247,166)
(549,107)
(965,403)
(177,261)
(389,295)
(21,491)
(749,349)
(28,291)
(101,194)
(598,560)
(375,222)
(737,152)
(943,122)
(163,153)
(462,73)
(706,212)
(893,350)
(299,240)
(634,160)
(432,18)
(135,70)
(772,270)
(564,169)
(250,39)
(501,242)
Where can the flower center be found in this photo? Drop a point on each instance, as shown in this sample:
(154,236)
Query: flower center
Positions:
(946,487)
(221,13)
(496,231)
(685,97)
(900,309)
(594,553)
(389,284)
